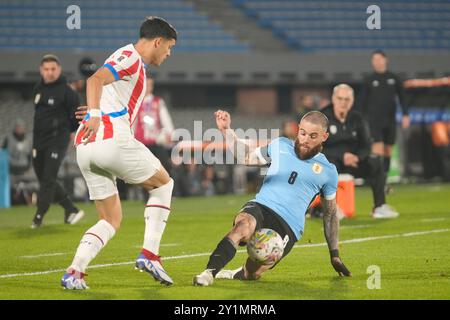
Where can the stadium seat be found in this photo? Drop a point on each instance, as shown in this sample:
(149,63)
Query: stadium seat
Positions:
(421,26)
(40,25)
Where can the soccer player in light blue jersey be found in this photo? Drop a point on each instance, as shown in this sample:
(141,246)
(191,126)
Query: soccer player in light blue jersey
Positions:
(297,172)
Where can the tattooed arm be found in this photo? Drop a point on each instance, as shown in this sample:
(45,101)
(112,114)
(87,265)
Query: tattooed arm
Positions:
(331,229)
(331,224)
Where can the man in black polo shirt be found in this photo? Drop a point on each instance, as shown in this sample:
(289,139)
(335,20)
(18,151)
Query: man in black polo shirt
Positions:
(381,92)
(349,147)
(54,119)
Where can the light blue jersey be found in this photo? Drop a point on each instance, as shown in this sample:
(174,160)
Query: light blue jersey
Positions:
(291,184)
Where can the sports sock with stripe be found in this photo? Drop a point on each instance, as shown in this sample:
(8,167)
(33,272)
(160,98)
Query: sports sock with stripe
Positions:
(156,214)
(91,243)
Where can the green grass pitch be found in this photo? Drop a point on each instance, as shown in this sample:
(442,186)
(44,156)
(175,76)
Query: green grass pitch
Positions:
(411,252)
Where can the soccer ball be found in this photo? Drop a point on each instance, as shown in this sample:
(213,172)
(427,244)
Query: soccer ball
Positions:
(265,246)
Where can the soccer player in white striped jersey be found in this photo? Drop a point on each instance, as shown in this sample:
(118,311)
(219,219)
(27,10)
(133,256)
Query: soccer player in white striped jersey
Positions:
(106,149)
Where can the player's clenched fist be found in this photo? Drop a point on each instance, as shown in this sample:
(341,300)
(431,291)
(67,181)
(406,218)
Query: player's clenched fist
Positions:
(223,120)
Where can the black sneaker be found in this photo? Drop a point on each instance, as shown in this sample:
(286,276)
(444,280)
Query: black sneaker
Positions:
(73,217)
(37,221)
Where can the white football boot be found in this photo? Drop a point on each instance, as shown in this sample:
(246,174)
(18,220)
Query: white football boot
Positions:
(204,279)
(227,274)
(151,264)
(384,212)
(74,280)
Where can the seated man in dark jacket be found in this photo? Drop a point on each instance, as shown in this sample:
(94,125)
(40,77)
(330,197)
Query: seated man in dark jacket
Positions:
(349,147)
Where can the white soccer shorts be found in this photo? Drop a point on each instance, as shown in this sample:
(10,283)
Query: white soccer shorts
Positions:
(121,156)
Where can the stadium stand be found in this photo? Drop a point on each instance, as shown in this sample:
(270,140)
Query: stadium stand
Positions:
(26,24)
(234,41)
(340,25)
(11,101)
(235,20)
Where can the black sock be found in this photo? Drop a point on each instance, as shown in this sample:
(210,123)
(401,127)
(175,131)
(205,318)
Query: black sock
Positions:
(39,215)
(387,164)
(223,254)
(42,208)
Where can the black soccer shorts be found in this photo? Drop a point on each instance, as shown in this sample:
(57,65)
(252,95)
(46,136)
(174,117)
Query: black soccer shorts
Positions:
(267,218)
(383,132)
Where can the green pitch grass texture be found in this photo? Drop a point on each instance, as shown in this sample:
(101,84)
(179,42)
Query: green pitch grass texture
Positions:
(412,253)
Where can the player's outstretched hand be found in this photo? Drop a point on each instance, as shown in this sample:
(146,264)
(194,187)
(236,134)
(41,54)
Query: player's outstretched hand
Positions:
(340,268)
(81,113)
(223,120)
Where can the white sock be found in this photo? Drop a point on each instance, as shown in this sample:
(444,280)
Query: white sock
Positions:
(156,214)
(91,243)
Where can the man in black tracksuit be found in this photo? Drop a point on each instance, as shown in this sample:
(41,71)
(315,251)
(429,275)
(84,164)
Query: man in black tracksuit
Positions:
(349,147)
(380,93)
(54,119)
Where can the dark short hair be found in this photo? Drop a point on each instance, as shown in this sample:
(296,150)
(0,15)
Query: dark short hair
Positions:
(379,51)
(50,58)
(154,27)
(316,117)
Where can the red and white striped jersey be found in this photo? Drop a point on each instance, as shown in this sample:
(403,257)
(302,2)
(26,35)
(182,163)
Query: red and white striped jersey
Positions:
(121,99)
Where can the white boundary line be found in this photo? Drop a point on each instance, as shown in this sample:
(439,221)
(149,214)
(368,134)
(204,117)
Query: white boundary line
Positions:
(357,240)
(45,255)
(66,253)
(433,219)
